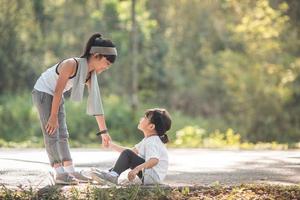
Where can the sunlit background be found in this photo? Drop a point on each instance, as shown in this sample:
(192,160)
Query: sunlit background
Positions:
(228,71)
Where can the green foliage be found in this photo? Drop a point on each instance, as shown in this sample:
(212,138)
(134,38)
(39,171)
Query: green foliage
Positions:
(20,48)
(20,122)
(245,79)
(18,118)
(214,64)
(122,127)
(190,136)
(193,136)
(219,140)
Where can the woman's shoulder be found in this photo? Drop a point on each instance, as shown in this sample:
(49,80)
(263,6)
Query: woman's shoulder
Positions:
(68,65)
(69,62)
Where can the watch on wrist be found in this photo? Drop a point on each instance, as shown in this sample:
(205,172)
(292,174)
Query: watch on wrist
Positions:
(102,132)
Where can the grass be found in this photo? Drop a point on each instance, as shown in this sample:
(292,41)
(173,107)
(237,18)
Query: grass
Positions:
(216,191)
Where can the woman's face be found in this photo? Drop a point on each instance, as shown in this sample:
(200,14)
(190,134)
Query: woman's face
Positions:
(100,64)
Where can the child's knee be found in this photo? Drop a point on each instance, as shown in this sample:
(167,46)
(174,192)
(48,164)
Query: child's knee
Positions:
(127,152)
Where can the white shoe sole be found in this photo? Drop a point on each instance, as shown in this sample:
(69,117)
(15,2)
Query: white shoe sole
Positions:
(101,181)
(59,182)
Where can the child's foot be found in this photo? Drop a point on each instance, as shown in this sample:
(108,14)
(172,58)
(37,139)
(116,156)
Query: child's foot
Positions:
(65,179)
(93,169)
(80,177)
(104,177)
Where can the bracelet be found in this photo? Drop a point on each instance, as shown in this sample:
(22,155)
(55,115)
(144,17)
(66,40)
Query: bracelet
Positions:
(102,132)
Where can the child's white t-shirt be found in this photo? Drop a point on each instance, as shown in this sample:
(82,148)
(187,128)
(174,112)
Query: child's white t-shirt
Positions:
(153,147)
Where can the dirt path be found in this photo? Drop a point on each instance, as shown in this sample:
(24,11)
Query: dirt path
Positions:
(187,166)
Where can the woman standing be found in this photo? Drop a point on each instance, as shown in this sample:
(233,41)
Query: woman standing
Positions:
(47,96)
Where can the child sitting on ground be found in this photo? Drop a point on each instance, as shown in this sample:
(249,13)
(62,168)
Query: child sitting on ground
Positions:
(149,158)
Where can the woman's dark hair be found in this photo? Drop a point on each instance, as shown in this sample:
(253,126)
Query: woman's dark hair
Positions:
(162,121)
(97,40)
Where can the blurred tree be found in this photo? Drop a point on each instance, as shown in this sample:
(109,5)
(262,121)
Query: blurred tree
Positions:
(234,64)
(17,46)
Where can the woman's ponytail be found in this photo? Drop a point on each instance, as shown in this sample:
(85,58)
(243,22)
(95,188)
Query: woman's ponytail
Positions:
(89,44)
(96,40)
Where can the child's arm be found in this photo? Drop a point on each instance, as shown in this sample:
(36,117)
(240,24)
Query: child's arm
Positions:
(119,148)
(65,71)
(135,150)
(116,147)
(146,165)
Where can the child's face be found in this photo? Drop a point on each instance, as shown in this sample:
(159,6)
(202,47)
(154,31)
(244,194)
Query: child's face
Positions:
(145,125)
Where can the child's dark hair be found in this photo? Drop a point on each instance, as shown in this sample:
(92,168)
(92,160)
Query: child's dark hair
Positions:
(162,121)
(96,40)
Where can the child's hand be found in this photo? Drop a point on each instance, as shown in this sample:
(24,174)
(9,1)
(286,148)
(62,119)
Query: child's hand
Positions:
(132,174)
(52,124)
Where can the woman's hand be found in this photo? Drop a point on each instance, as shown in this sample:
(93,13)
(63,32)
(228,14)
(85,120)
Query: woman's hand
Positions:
(105,140)
(132,174)
(52,124)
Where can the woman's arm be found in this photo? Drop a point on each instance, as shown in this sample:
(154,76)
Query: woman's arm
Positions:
(102,126)
(66,69)
(101,123)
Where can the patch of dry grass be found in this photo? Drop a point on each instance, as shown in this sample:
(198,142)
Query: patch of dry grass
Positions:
(247,192)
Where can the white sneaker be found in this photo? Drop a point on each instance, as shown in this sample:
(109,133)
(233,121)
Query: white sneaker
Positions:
(81,177)
(65,179)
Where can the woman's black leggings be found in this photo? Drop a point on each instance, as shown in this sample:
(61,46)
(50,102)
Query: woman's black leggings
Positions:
(128,159)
